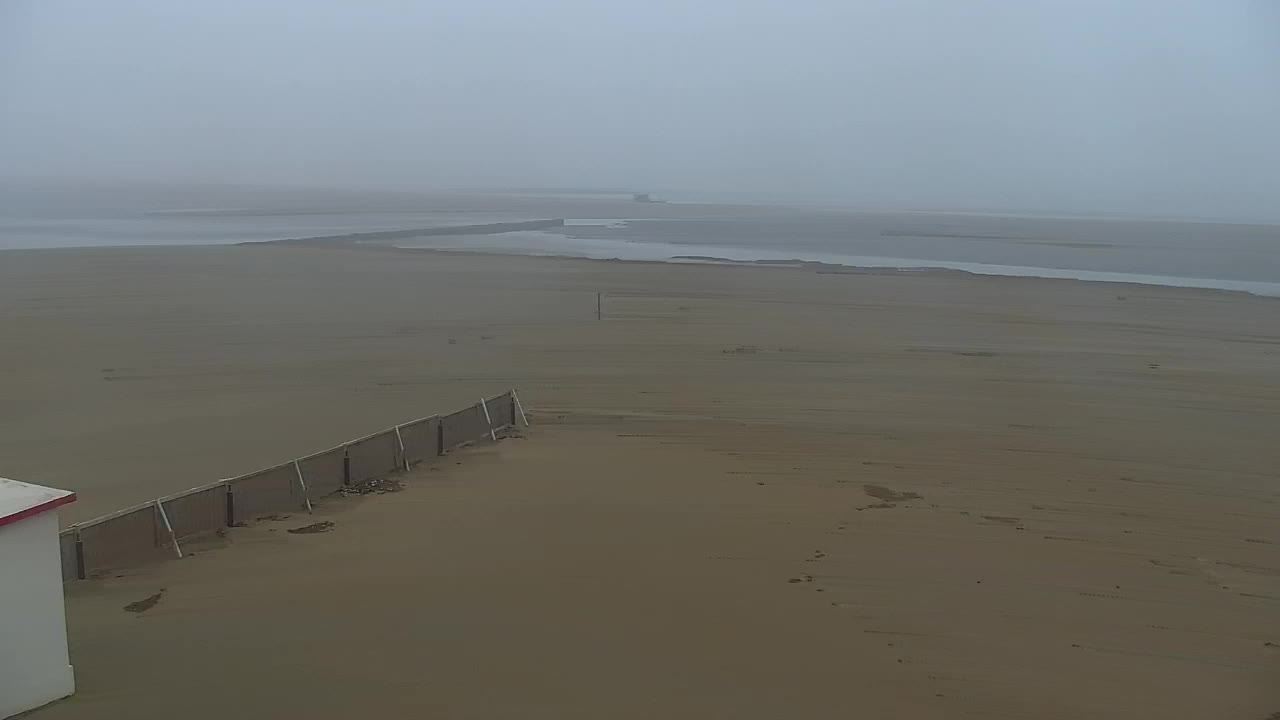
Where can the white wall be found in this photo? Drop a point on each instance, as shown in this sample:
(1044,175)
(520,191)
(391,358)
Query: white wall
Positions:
(34,667)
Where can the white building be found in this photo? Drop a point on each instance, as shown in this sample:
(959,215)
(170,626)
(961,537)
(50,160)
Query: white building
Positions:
(34,666)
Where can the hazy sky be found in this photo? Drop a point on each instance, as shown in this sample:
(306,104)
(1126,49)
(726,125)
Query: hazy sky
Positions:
(1142,106)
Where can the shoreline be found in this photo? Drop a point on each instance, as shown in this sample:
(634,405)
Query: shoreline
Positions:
(1207,255)
(356,239)
(730,255)
(935,267)
(1270,291)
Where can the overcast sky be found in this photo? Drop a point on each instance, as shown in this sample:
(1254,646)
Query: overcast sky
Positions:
(1139,106)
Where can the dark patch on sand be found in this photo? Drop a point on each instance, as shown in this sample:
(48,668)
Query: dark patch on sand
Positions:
(372,486)
(320,527)
(881,492)
(1006,519)
(144,604)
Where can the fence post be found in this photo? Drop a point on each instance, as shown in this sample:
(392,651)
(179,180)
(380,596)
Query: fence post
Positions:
(483,406)
(80,572)
(231,506)
(346,467)
(440,436)
(172,537)
(515,400)
(306,494)
(404,457)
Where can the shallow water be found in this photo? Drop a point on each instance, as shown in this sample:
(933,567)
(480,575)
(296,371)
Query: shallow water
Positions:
(1227,257)
(1192,254)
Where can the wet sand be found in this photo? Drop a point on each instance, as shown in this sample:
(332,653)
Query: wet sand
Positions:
(749,492)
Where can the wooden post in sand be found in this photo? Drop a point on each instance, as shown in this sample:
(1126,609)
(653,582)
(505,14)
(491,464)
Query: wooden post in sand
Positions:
(173,538)
(306,496)
(515,401)
(598,314)
(485,406)
(80,572)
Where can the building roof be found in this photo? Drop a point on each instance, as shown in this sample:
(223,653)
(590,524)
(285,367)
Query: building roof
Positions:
(20,500)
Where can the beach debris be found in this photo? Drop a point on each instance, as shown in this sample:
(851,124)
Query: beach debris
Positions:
(1004,519)
(881,492)
(742,350)
(320,527)
(372,486)
(144,604)
(274,517)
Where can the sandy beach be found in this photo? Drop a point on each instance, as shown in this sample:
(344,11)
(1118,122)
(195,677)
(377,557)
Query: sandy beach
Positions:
(747,491)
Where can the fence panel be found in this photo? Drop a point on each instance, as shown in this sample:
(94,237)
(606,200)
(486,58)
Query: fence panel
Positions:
(323,471)
(267,491)
(374,456)
(130,538)
(197,512)
(67,548)
(464,426)
(502,409)
(420,438)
